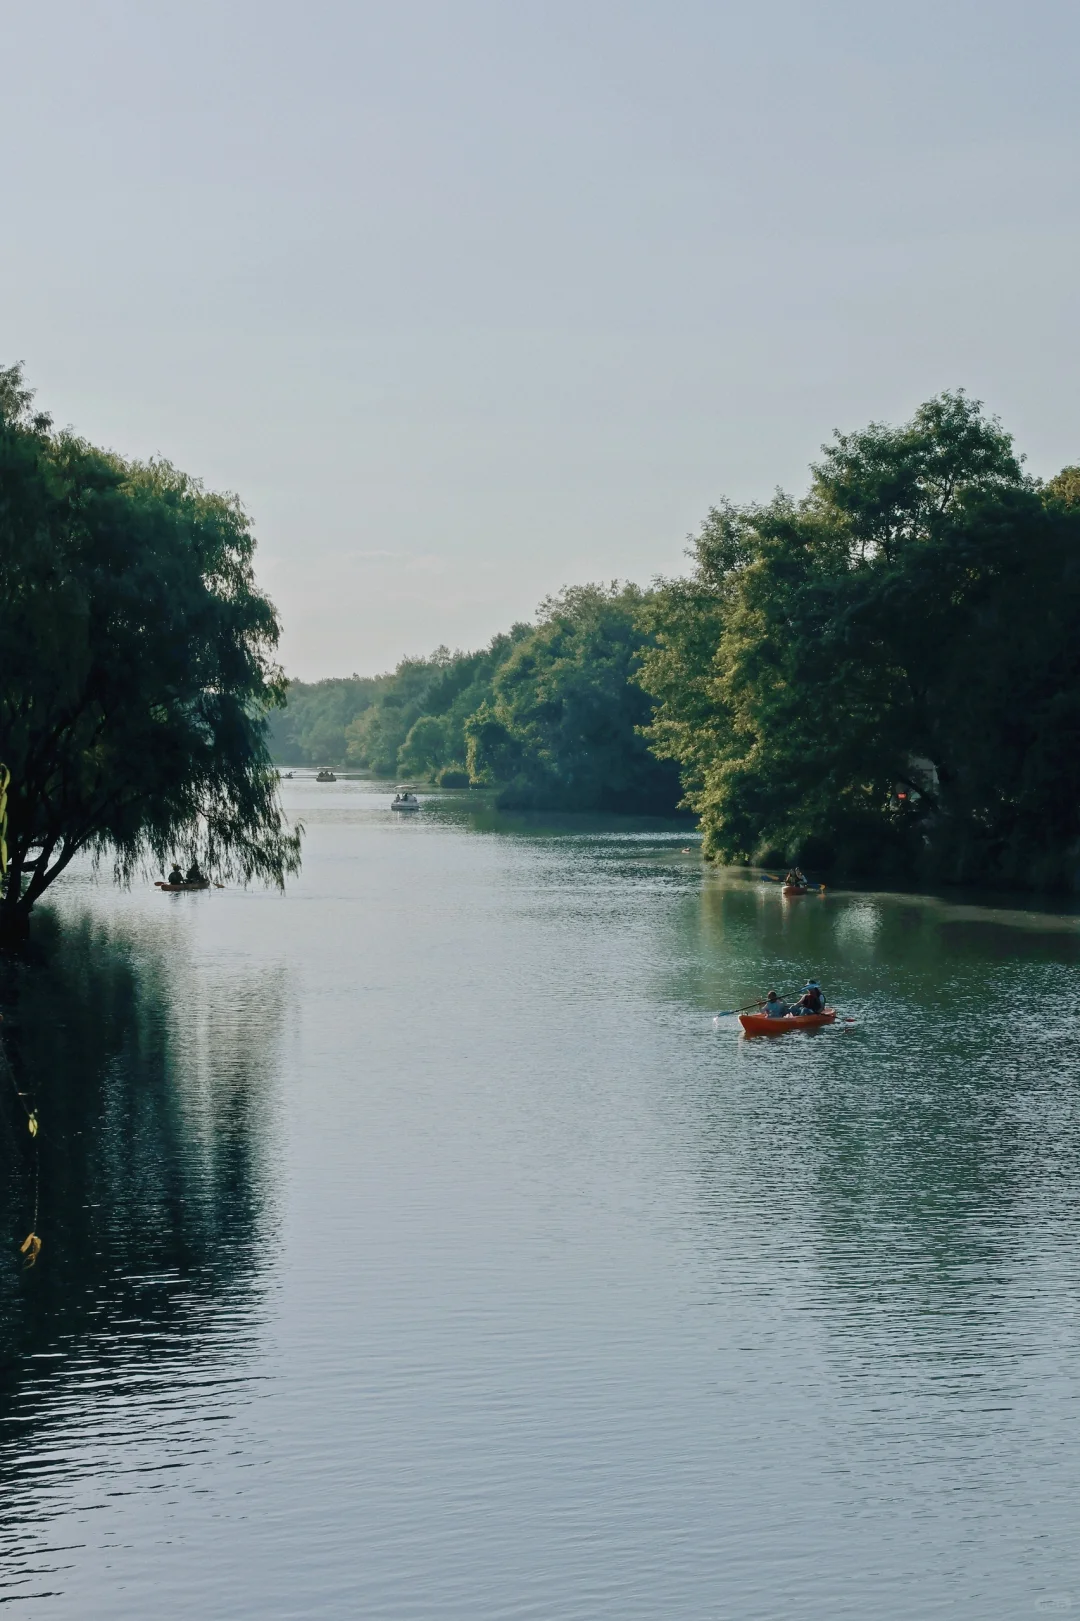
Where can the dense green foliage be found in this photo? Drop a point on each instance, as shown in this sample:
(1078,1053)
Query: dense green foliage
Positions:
(136,667)
(418,726)
(310,728)
(885,676)
(563,724)
(412,720)
(550,713)
(880,677)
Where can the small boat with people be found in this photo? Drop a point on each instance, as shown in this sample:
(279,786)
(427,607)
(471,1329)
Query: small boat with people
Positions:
(794,883)
(760,1024)
(405,800)
(775,1017)
(177,880)
(325,776)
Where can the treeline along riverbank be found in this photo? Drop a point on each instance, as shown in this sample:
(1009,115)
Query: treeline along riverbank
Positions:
(552,714)
(881,678)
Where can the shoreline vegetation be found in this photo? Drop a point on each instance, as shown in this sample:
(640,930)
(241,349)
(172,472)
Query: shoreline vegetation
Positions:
(550,715)
(880,679)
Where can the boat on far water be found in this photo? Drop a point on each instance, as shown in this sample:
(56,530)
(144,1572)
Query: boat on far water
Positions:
(405,800)
(325,776)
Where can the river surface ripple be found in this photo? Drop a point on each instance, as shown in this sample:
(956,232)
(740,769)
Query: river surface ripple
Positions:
(415,1246)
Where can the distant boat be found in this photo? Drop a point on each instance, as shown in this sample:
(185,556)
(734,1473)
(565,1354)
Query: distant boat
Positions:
(203,883)
(326,776)
(405,802)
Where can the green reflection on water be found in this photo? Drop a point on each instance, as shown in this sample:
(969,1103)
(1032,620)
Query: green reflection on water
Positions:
(153,1081)
(928,1158)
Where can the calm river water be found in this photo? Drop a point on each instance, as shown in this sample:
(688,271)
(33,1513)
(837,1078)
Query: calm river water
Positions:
(416,1247)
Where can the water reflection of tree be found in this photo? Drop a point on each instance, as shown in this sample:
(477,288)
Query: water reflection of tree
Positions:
(154,1085)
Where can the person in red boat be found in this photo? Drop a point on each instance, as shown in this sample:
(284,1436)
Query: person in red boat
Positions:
(812,999)
(773,1006)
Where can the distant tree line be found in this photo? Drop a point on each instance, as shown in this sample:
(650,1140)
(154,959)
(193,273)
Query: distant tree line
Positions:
(880,678)
(551,714)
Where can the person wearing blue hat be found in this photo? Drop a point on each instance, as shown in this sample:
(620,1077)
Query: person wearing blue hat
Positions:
(812,999)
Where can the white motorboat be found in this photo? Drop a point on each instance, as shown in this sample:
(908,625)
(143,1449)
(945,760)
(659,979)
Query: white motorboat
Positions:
(405,802)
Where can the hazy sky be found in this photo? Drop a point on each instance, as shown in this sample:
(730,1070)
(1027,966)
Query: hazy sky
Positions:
(469,301)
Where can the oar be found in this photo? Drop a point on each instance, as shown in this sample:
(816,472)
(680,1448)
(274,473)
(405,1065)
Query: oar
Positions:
(726,1013)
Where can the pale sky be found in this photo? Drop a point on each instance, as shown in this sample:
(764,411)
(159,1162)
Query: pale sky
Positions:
(472,300)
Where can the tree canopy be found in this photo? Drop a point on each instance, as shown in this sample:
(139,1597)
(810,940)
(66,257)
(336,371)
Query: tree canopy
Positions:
(884,675)
(137,667)
(563,724)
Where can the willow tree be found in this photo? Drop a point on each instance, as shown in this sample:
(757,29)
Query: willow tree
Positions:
(136,668)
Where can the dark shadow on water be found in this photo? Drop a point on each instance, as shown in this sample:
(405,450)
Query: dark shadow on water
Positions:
(478,812)
(154,1087)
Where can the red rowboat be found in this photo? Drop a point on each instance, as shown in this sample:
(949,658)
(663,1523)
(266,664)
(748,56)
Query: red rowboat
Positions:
(759,1024)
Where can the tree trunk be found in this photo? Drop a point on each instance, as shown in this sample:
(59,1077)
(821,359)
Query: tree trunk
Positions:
(14,924)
